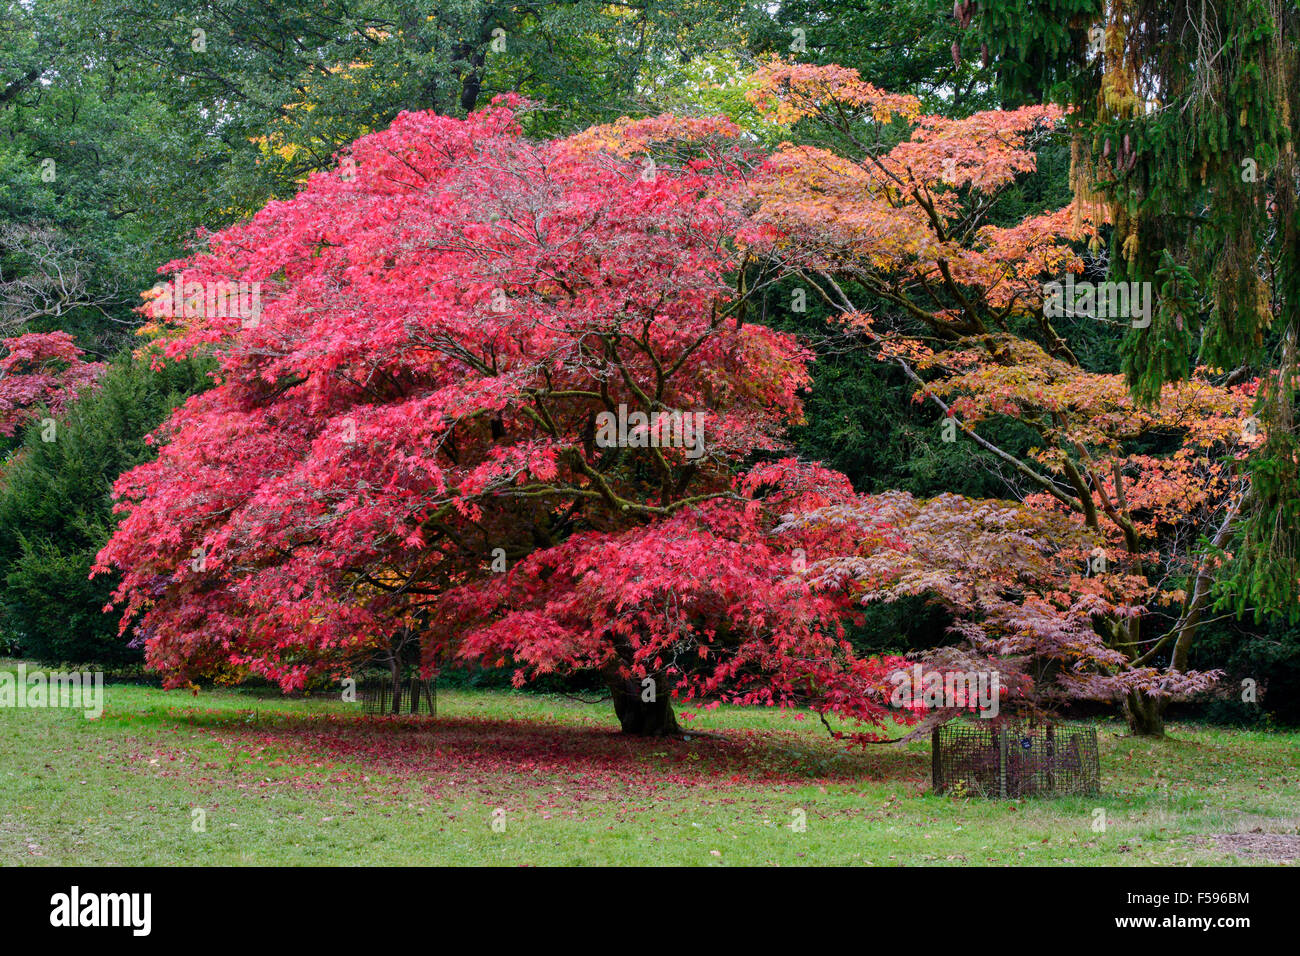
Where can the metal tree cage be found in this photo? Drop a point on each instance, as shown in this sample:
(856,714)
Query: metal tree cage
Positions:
(376,693)
(1011,758)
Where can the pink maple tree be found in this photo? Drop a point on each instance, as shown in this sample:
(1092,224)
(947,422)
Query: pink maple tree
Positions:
(40,369)
(404,456)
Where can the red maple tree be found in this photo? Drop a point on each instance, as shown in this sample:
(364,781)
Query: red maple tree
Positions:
(40,369)
(405,453)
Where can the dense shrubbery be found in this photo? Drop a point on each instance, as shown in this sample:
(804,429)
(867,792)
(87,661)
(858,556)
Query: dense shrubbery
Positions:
(56,513)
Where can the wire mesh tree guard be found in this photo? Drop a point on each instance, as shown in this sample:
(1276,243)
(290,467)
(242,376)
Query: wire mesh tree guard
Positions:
(1012,758)
(379,694)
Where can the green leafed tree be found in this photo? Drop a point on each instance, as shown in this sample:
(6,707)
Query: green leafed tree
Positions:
(1185,119)
(56,512)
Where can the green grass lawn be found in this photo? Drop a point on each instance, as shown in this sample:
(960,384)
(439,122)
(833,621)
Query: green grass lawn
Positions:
(310,781)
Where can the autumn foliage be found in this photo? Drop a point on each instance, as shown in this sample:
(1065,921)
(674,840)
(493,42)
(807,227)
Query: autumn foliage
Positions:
(1110,609)
(404,442)
(40,369)
(402,454)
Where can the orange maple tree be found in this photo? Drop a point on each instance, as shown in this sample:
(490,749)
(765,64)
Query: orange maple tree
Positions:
(1154,489)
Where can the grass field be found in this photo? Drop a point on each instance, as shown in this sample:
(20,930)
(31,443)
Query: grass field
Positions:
(513,778)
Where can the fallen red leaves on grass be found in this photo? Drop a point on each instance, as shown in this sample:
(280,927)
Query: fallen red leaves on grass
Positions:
(525,761)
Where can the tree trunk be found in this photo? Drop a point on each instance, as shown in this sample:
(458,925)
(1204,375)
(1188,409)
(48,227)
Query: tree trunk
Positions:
(396,668)
(639,716)
(1146,715)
